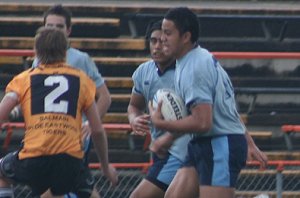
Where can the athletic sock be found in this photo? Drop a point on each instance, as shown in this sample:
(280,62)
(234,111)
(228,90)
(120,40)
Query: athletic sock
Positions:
(6,193)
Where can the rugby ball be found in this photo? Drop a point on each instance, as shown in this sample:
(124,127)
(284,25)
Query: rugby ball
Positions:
(173,107)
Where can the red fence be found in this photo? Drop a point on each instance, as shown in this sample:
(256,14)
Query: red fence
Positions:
(221,55)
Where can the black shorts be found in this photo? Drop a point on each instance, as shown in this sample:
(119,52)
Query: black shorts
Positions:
(60,173)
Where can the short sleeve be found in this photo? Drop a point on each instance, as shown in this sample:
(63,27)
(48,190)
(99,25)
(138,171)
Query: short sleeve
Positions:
(93,71)
(88,92)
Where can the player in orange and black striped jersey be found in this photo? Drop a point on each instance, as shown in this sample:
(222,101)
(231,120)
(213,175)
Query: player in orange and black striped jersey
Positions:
(53,97)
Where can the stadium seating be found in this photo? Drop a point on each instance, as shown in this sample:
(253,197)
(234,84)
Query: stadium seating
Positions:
(102,27)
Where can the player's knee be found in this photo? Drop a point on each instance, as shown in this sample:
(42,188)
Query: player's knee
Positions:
(134,194)
(95,194)
(6,165)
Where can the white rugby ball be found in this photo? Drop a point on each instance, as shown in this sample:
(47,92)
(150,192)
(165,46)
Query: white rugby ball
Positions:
(173,107)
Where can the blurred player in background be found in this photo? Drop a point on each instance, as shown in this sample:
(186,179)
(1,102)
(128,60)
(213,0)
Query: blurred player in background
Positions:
(53,97)
(148,78)
(60,17)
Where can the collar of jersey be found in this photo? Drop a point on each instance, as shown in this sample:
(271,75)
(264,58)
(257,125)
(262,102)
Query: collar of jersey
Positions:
(171,66)
(55,65)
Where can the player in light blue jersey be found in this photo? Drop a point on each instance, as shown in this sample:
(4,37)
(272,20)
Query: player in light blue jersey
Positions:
(148,78)
(218,150)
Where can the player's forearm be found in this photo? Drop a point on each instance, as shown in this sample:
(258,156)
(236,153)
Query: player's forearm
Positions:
(9,101)
(249,139)
(186,125)
(103,99)
(103,104)
(101,147)
(133,112)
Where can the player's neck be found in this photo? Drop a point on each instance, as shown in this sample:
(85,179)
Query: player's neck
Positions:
(186,49)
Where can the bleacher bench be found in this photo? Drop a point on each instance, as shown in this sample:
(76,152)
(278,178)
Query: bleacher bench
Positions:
(75,20)
(261,134)
(92,26)
(248,31)
(282,155)
(80,43)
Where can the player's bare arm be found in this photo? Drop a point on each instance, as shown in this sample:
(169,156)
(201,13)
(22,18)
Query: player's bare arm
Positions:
(103,100)
(200,120)
(137,119)
(99,138)
(254,153)
(9,101)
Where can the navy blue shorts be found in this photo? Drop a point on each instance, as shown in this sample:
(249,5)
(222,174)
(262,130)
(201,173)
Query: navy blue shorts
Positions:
(60,173)
(218,160)
(162,171)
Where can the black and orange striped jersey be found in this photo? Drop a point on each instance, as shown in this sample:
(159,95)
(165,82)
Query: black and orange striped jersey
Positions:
(53,98)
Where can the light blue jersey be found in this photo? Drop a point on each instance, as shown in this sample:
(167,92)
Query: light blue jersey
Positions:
(81,60)
(197,77)
(147,80)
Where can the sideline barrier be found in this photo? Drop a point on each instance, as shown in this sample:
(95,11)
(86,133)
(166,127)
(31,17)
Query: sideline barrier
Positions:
(221,55)
(279,180)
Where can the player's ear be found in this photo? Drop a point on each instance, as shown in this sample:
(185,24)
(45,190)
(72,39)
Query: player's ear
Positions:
(69,30)
(187,37)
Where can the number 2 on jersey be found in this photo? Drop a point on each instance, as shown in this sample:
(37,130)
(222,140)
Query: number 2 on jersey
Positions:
(54,94)
(50,105)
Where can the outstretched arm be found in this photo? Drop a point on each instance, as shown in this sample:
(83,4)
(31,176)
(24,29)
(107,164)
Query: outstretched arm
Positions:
(99,138)
(254,153)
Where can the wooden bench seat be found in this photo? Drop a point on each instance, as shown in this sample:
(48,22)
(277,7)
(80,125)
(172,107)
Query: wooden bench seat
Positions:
(115,118)
(15,20)
(256,31)
(245,81)
(119,61)
(11,60)
(283,155)
(115,7)
(212,38)
(82,27)
(113,61)
(261,134)
(80,43)
(115,82)
(121,98)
